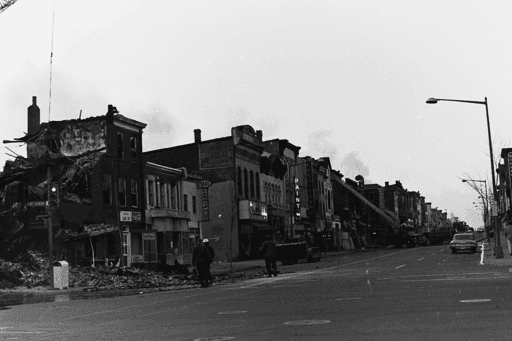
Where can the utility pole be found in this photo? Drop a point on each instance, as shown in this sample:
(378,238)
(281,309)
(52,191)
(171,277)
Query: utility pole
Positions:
(49,220)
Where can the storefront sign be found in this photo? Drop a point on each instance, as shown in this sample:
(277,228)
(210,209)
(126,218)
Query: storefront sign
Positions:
(126,216)
(137,259)
(136,216)
(204,184)
(297,199)
(149,235)
(258,208)
(206,206)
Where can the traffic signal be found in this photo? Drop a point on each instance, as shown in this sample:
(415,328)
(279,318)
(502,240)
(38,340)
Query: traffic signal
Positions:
(53,195)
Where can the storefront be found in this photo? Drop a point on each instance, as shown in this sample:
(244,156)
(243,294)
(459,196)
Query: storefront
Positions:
(254,226)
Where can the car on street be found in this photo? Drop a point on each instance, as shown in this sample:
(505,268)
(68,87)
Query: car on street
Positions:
(463,242)
(480,230)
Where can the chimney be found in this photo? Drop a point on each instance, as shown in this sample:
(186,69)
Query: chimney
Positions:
(259,135)
(197,135)
(112,110)
(387,183)
(33,117)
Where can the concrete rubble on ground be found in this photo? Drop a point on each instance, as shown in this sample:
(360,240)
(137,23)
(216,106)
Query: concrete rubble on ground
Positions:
(30,270)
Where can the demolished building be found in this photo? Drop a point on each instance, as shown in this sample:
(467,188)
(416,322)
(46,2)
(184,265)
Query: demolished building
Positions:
(97,163)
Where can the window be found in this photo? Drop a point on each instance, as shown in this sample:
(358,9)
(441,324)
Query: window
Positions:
(252,184)
(194,207)
(107,189)
(257,185)
(185,202)
(329,199)
(133,148)
(135,194)
(239,179)
(122,192)
(246,185)
(174,195)
(162,195)
(120,147)
(151,193)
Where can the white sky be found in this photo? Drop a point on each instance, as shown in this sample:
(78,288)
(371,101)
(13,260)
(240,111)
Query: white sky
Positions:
(344,79)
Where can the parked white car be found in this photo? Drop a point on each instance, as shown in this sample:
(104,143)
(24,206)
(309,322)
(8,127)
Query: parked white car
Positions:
(463,242)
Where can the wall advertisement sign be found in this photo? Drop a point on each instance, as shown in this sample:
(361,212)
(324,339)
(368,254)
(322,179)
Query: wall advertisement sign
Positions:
(297,199)
(206,204)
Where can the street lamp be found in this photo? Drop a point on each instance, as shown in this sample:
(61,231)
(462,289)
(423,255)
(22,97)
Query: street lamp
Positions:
(498,249)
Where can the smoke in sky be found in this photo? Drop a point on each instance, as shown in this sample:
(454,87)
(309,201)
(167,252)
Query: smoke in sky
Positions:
(351,166)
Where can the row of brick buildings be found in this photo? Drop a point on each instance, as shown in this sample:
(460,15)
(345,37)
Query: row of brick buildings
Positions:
(150,207)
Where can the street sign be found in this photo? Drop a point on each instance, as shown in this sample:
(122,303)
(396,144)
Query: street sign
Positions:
(36,203)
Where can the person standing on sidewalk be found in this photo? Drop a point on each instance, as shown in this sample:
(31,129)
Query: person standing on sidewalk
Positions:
(206,243)
(201,259)
(508,233)
(268,248)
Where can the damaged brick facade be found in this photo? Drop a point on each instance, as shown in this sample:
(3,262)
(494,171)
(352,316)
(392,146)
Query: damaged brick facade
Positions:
(98,164)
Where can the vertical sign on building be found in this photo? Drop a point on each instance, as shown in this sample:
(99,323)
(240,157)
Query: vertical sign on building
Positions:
(309,179)
(203,185)
(297,200)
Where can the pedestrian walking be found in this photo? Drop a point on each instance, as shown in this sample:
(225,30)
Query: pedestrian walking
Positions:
(206,243)
(201,260)
(268,248)
(508,234)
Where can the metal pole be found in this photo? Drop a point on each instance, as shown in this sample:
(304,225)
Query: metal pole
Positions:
(49,220)
(498,249)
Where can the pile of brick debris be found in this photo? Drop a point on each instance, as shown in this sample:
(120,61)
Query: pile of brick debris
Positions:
(30,270)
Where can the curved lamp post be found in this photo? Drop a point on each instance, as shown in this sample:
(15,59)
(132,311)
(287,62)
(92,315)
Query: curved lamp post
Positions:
(498,249)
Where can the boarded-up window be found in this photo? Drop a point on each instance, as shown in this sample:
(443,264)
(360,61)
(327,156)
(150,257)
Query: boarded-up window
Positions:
(120,146)
(107,189)
(122,192)
(135,194)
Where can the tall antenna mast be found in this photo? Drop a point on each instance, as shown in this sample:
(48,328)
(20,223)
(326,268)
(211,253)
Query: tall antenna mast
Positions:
(51,64)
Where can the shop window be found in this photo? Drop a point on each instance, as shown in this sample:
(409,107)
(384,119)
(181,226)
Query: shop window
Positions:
(122,192)
(107,189)
(134,194)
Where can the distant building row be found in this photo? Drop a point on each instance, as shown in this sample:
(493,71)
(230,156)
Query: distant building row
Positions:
(120,202)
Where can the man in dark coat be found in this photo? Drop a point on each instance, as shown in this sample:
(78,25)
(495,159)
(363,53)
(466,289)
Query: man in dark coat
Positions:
(268,248)
(206,243)
(201,259)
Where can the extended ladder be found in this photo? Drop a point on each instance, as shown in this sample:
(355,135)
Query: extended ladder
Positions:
(392,221)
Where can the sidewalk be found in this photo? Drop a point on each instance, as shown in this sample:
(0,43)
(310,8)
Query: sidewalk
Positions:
(506,260)
(224,268)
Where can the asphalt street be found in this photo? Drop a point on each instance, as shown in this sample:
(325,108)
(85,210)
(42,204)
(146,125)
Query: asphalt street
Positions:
(423,293)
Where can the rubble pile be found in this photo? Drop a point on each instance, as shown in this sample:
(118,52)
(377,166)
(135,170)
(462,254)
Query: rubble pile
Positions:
(30,270)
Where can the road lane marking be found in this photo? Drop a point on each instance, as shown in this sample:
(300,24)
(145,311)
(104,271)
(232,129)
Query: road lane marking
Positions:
(306,322)
(432,254)
(421,258)
(444,279)
(398,267)
(232,312)
(477,300)
(349,298)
